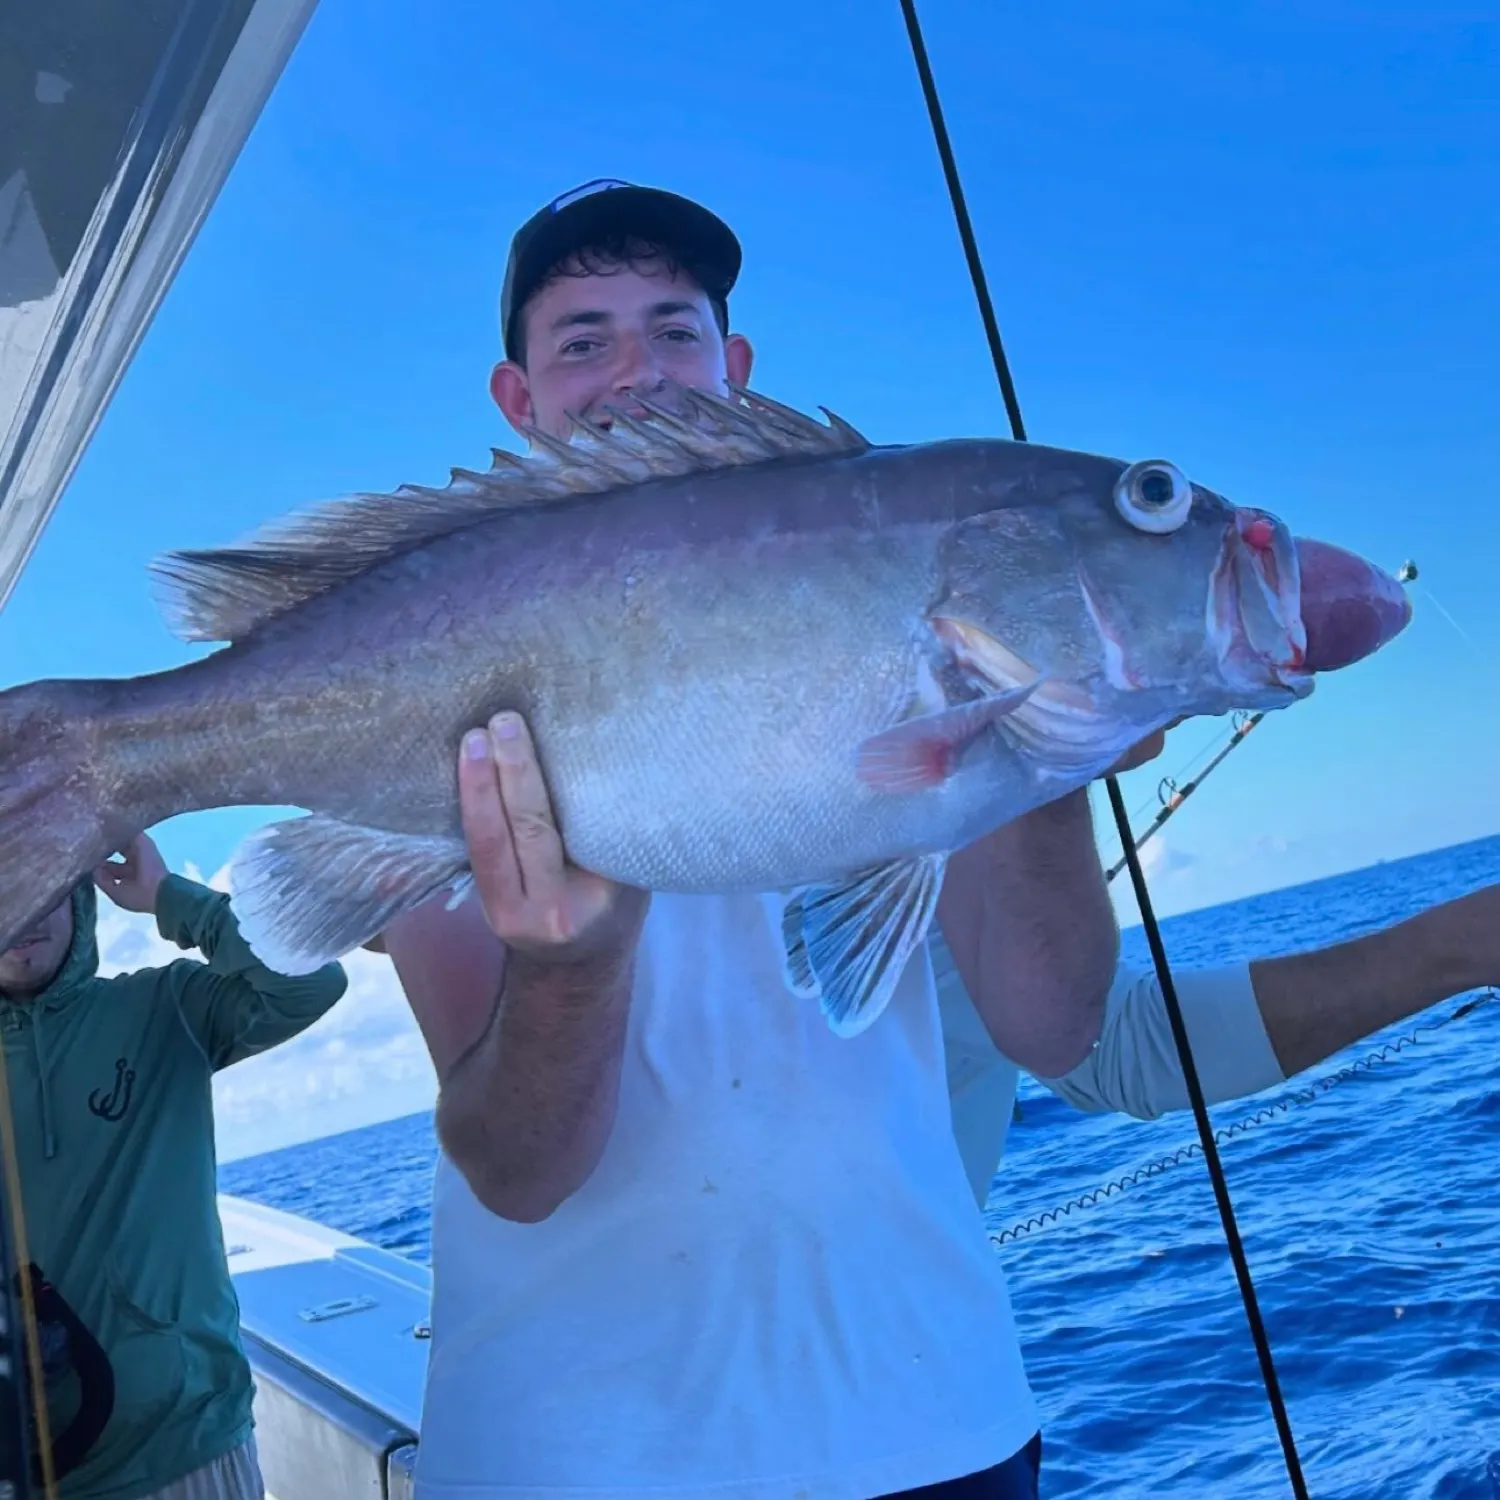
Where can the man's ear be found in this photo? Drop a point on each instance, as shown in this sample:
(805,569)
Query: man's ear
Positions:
(512,394)
(739,357)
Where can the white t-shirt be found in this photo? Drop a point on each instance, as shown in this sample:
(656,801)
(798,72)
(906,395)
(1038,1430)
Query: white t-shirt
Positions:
(775,1284)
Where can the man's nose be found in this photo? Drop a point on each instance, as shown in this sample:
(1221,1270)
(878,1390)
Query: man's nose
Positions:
(637,367)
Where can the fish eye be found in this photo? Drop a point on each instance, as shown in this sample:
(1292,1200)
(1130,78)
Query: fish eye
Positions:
(1154,496)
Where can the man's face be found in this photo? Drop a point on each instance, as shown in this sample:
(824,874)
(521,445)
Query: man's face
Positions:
(28,968)
(589,339)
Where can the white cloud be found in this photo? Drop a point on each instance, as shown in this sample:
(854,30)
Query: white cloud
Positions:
(1172,879)
(362,1063)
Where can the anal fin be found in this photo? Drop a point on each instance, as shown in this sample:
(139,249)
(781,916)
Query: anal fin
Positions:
(849,943)
(307,891)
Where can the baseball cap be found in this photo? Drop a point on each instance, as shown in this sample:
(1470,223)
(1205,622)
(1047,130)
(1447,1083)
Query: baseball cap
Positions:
(571,221)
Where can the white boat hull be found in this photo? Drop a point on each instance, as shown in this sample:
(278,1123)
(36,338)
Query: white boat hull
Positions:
(336,1333)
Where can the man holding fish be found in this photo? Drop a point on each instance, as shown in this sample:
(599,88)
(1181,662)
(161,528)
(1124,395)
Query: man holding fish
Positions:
(685,1240)
(720,708)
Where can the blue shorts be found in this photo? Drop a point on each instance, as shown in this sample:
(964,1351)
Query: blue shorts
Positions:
(1015,1479)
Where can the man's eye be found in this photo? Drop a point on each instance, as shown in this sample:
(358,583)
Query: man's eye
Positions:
(580,346)
(684,335)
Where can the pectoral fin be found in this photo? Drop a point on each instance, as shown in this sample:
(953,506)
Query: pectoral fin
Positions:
(850,943)
(920,752)
(309,890)
(1055,722)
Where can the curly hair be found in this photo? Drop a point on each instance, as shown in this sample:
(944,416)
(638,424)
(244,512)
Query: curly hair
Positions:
(609,255)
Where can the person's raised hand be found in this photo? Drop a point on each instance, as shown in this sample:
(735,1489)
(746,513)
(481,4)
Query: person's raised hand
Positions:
(1144,752)
(132,881)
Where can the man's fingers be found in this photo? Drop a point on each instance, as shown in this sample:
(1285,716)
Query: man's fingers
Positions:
(533,828)
(492,856)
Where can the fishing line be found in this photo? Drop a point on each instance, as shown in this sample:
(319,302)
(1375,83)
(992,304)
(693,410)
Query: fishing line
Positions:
(1122,818)
(1408,574)
(1246,1123)
(1437,603)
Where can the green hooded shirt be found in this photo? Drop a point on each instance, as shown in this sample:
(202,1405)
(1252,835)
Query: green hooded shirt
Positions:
(110,1084)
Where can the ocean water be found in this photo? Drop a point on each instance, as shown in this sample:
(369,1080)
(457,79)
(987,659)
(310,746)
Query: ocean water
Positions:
(1368,1197)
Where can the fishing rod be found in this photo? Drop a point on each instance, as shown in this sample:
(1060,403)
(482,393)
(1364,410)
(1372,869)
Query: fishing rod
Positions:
(1172,796)
(15,1469)
(1122,817)
(20,1354)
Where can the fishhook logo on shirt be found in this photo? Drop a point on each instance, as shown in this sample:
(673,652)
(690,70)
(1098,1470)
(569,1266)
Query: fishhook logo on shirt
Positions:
(112,1106)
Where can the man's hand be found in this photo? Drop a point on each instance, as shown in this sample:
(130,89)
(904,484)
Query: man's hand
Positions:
(1143,753)
(535,901)
(132,882)
(524,1003)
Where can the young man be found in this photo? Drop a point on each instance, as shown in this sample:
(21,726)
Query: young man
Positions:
(147,1388)
(685,1241)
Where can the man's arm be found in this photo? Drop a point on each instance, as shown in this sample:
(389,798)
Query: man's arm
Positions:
(231,1004)
(1252,1026)
(1316,1003)
(522,995)
(1028,919)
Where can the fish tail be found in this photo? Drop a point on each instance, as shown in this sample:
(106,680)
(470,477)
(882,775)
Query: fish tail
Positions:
(55,826)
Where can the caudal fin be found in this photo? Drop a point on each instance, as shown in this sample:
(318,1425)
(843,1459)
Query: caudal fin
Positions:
(54,827)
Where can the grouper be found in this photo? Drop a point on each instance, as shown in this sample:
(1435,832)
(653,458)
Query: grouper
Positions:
(756,651)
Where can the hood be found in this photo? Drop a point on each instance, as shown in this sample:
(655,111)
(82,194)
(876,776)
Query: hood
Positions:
(79,969)
(82,962)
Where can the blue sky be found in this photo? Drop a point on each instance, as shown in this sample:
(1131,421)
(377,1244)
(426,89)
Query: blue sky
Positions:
(1257,240)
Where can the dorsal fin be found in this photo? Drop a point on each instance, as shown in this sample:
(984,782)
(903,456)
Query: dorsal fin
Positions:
(221,594)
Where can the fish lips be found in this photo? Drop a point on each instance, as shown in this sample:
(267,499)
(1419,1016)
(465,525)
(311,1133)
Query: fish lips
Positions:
(1350,607)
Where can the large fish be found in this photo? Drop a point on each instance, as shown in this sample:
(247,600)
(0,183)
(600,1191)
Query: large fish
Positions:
(756,651)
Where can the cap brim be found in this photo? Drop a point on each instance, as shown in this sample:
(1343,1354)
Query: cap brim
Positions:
(681,227)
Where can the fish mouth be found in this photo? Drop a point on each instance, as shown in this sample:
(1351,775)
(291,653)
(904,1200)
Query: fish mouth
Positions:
(1350,607)
(1255,608)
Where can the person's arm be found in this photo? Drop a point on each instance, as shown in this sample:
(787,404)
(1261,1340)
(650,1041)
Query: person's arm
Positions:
(1253,1025)
(1316,1003)
(231,1004)
(1135,1069)
(1027,917)
(522,995)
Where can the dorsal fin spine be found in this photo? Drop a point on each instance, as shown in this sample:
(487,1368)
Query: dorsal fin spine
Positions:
(223,593)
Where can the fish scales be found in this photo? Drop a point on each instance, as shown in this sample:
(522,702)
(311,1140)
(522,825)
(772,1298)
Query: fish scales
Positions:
(755,652)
